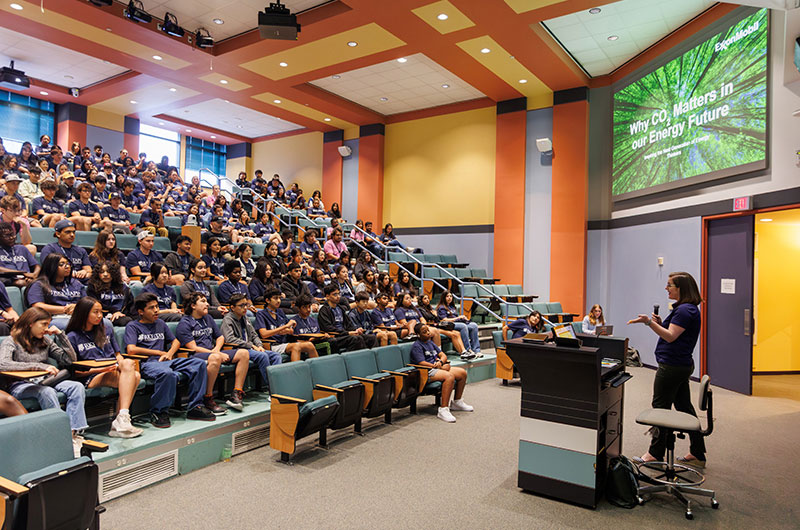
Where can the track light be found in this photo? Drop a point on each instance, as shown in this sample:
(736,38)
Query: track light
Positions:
(203,38)
(170,25)
(137,13)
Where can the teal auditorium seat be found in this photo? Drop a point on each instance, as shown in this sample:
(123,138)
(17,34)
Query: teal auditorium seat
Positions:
(172,221)
(162,244)
(294,413)
(85,239)
(362,366)
(62,489)
(406,378)
(15,297)
(126,241)
(135,218)
(329,375)
(42,236)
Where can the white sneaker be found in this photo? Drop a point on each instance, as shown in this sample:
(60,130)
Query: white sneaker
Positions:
(458,404)
(77,444)
(122,427)
(444,415)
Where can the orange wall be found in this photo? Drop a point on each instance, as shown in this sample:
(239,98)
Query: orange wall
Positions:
(370,178)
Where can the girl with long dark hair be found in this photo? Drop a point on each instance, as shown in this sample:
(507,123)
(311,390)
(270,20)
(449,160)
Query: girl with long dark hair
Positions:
(158,284)
(55,290)
(105,286)
(214,259)
(447,312)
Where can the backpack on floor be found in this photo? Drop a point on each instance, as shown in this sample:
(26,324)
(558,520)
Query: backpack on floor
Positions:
(632,358)
(622,483)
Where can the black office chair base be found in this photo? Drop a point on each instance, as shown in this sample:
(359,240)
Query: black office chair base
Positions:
(673,479)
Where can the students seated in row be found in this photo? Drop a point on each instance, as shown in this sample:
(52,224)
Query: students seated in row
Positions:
(425,352)
(31,346)
(105,249)
(198,332)
(240,332)
(233,283)
(273,324)
(383,317)
(533,323)
(361,318)
(84,213)
(114,297)
(92,339)
(593,319)
(16,259)
(77,256)
(447,312)
(158,284)
(150,336)
(196,283)
(55,290)
(430,317)
(333,319)
(49,209)
(178,262)
(140,259)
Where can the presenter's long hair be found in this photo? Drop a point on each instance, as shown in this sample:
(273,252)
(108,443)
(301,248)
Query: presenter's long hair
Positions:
(594,320)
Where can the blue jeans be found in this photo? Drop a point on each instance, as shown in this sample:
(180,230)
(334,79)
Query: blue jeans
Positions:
(165,375)
(48,399)
(263,359)
(394,243)
(469,335)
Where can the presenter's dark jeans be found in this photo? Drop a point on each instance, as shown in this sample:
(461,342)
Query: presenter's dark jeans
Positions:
(671,387)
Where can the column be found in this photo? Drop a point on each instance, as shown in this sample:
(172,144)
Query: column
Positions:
(331,168)
(71,125)
(370,173)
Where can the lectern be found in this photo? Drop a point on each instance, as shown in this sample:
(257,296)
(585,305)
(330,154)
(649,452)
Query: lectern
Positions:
(571,416)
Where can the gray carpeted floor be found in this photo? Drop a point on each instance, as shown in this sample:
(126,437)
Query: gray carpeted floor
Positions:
(421,472)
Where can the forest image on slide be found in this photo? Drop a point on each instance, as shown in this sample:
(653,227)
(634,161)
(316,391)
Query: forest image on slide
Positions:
(702,112)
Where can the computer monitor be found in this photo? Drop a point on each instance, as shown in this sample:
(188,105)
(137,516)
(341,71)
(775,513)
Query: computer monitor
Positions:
(564,330)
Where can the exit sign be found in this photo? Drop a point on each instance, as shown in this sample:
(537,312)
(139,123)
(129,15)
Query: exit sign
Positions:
(741,204)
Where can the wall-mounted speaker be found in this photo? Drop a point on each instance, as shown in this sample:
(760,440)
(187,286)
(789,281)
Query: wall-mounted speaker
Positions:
(544,145)
(344,151)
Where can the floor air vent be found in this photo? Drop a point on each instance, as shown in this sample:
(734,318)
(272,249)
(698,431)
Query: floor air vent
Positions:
(135,476)
(250,439)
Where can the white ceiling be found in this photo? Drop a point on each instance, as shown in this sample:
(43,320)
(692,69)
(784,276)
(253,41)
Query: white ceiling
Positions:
(413,85)
(52,63)
(239,16)
(225,116)
(638,23)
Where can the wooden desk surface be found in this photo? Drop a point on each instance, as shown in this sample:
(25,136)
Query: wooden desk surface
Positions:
(24,374)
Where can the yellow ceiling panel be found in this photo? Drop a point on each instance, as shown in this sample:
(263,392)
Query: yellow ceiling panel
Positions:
(308,112)
(510,70)
(324,52)
(224,81)
(523,6)
(154,95)
(32,11)
(456,20)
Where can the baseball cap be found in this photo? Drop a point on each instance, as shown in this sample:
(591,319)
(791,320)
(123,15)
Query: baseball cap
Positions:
(68,175)
(143,234)
(13,177)
(114,195)
(217,219)
(64,223)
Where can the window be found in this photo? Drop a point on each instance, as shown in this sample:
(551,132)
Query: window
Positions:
(24,119)
(158,143)
(202,154)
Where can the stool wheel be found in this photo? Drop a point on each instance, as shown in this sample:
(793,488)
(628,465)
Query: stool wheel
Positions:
(714,504)
(689,515)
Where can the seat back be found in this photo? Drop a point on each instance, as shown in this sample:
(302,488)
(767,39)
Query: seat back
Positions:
(478,273)
(327,370)
(469,291)
(405,351)
(172,221)
(85,239)
(515,289)
(34,441)
(389,357)
(15,297)
(500,289)
(126,241)
(162,244)
(291,379)
(554,307)
(540,307)
(42,236)
(360,363)
(497,337)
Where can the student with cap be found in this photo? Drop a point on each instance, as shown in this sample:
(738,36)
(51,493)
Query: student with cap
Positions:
(77,256)
(215,230)
(116,215)
(197,331)
(152,219)
(66,190)
(49,209)
(16,258)
(11,188)
(151,337)
(140,259)
(83,212)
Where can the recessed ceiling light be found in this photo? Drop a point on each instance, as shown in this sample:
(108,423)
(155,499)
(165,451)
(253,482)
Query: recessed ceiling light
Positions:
(219,21)
(188,130)
(523,81)
(157,57)
(485,50)
(766,220)
(16,6)
(336,76)
(213,137)
(402,60)
(326,119)
(109,29)
(352,44)
(223,81)
(134,102)
(442,16)
(282,64)
(239,127)
(384,99)
(173,89)
(613,37)
(68,77)
(276,101)
(445,85)
(594,10)
(161,123)
(42,92)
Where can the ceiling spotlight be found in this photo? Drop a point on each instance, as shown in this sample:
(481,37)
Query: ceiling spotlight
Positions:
(203,38)
(223,81)
(442,16)
(134,102)
(766,220)
(276,101)
(384,99)
(109,29)
(218,21)
(157,57)
(137,13)
(352,44)
(523,81)
(485,50)
(402,60)
(283,64)
(173,89)
(188,130)
(213,137)
(326,119)
(594,10)
(613,37)
(445,85)
(16,6)
(336,76)
(42,92)
(170,25)
(101,3)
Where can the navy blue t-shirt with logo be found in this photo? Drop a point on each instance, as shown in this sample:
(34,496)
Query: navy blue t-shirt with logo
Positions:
(18,258)
(265,320)
(64,293)
(156,336)
(86,349)
(203,332)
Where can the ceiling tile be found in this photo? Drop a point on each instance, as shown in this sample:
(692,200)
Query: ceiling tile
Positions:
(232,118)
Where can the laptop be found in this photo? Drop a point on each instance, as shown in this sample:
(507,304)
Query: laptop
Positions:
(536,338)
(604,330)
(564,330)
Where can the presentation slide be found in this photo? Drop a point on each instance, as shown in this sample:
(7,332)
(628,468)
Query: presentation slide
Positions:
(701,116)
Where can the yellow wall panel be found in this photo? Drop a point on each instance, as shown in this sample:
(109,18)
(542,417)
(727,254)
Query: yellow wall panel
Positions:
(105,119)
(295,158)
(439,171)
(777,253)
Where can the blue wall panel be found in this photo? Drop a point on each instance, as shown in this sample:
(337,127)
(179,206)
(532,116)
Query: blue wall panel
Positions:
(350,183)
(538,190)
(112,141)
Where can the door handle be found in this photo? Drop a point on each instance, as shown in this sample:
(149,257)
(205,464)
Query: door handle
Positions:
(747,322)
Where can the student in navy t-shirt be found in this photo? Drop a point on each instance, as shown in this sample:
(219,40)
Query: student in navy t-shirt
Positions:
(333,319)
(362,319)
(305,322)
(15,258)
(214,259)
(426,353)
(677,338)
(233,283)
(78,257)
(197,331)
(151,337)
(106,287)
(383,316)
(119,217)
(272,323)
(83,212)
(533,323)
(158,285)
(49,209)
(140,259)
(93,339)
(55,290)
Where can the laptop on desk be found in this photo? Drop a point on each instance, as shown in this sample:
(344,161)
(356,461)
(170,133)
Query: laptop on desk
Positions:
(536,338)
(604,330)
